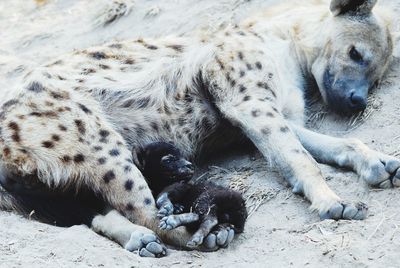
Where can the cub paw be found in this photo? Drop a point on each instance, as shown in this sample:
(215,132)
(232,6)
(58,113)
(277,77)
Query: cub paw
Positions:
(169,223)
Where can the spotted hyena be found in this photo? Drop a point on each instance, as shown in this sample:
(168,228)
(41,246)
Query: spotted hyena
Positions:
(76,120)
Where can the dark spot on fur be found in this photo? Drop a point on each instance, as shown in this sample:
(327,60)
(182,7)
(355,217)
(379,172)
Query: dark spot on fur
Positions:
(114,152)
(129,61)
(296,151)
(220,63)
(267,87)
(36,114)
(62,95)
(104,67)
(284,129)
(66,159)
(167,126)
(80,126)
(48,144)
(49,103)
(258,65)
(60,78)
(266,131)
(242,73)
(142,187)
(129,185)
(86,71)
(104,133)
(275,110)
(62,127)
(147,201)
(269,114)
(240,55)
(177,48)
(102,160)
(256,113)
(116,45)
(249,67)
(98,55)
(127,169)
(181,121)
(108,176)
(103,140)
(242,88)
(79,158)
(6,151)
(129,207)
(36,87)
(10,103)
(97,148)
(14,126)
(55,137)
(84,108)
(15,136)
(246,98)
(128,103)
(152,47)
(154,126)
(143,103)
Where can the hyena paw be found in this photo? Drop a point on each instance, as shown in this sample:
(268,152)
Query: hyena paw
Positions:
(382,172)
(147,244)
(346,211)
(169,222)
(220,237)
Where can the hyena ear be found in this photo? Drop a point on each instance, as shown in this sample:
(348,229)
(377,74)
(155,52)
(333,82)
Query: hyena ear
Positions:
(352,7)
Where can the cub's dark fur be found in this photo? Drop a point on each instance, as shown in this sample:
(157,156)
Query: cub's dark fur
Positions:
(168,173)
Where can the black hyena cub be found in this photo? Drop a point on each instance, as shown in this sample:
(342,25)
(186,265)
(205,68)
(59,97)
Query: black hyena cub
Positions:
(200,207)
(162,164)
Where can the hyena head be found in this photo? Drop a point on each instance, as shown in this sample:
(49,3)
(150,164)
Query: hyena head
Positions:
(355,54)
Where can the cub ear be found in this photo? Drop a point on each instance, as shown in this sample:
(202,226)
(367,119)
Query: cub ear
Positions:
(352,7)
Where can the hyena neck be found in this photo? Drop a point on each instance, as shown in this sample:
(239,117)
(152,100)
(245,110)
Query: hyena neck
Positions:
(305,27)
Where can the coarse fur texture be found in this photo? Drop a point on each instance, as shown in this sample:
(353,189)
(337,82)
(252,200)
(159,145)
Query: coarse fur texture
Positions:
(107,100)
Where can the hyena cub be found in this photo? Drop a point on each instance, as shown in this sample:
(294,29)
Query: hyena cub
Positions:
(200,207)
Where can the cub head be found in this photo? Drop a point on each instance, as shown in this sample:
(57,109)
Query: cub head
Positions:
(357,49)
(163,164)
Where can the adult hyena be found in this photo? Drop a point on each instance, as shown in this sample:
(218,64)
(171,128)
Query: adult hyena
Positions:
(76,120)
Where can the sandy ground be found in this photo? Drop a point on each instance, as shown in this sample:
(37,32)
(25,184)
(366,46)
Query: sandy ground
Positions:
(282,232)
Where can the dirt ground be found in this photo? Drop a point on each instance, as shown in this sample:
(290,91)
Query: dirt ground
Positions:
(282,232)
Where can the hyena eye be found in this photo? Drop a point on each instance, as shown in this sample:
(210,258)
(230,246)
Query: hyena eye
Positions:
(355,55)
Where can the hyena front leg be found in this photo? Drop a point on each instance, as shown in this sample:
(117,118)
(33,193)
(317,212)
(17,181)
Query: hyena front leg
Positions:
(375,168)
(252,107)
(64,139)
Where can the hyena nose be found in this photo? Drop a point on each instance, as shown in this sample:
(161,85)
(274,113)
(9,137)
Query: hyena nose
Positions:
(358,102)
